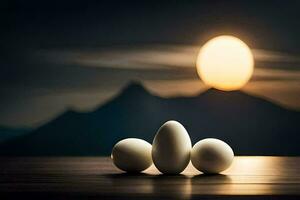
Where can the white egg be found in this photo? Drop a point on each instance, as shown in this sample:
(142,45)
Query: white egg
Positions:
(211,156)
(132,155)
(171,148)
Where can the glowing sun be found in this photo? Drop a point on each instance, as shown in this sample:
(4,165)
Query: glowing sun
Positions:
(225,63)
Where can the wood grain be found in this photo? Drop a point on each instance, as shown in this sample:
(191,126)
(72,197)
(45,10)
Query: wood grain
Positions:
(59,177)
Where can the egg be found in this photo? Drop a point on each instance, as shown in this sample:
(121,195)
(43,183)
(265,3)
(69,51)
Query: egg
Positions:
(171,148)
(132,155)
(211,156)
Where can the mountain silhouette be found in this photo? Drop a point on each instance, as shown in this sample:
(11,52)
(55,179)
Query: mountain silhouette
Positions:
(7,133)
(251,125)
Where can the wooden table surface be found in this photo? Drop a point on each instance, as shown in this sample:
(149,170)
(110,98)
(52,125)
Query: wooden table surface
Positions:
(79,177)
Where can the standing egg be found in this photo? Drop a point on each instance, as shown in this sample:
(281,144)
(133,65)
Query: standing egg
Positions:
(171,148)
(211,156)
(132,155)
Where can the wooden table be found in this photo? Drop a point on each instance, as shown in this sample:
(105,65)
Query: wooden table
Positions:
(96,177)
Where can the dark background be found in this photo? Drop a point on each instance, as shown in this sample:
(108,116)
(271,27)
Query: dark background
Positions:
(35,24)
(41,88)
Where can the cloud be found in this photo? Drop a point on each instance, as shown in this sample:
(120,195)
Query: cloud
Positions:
(163,62)
(274,56)
(267,74)
(285,93)
(159,56)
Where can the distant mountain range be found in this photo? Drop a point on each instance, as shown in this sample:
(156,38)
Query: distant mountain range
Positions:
(7,133)
(251,125)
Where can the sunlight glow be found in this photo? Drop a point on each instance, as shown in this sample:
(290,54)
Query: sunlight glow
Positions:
(225,63)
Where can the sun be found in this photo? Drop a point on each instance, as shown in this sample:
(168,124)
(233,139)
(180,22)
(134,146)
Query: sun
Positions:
(225,63)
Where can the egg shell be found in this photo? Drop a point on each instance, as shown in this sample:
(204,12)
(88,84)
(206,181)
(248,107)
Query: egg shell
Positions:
(171,148)
(132,155)
(211,156)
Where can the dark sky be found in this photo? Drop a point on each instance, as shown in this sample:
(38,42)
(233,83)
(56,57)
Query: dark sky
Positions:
(30,24)
(31,30)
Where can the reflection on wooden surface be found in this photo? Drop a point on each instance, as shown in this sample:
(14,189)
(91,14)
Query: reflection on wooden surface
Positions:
(98,177)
